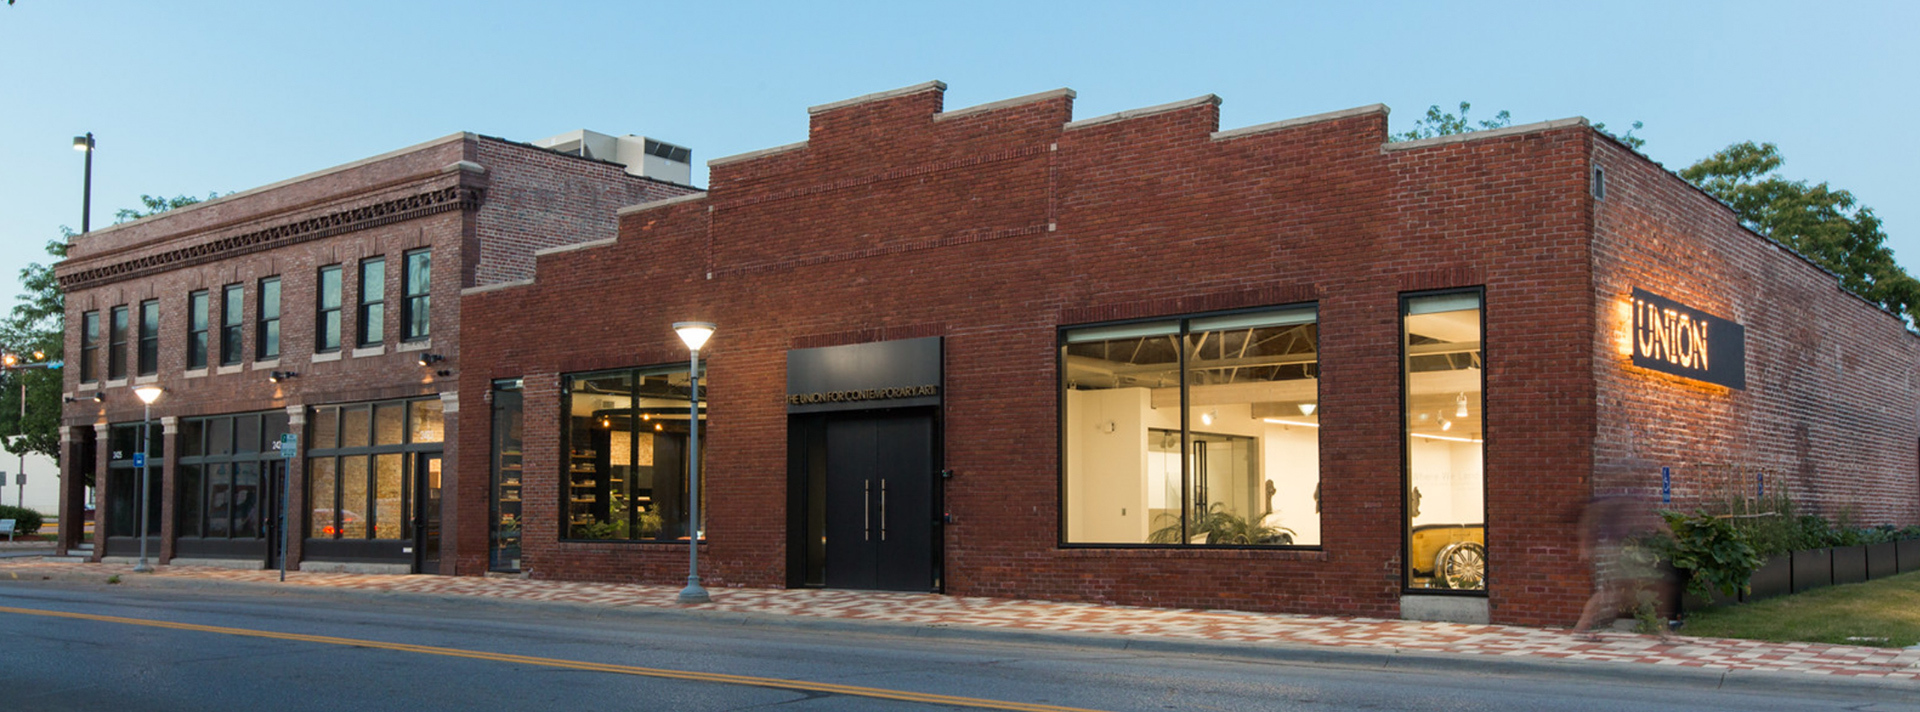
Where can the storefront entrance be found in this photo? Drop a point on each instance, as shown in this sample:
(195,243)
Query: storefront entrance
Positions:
(880,503)
(864,482)
(426,523)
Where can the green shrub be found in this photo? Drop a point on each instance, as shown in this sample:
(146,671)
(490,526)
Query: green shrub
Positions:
(1715,555)
(25,521)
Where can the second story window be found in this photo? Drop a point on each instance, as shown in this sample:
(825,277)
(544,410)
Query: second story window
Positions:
(266,343)
(373,301)
(326,320)
(415,284)
(197,329)
(149,337)
(231,300)
(89,346)
(117,344)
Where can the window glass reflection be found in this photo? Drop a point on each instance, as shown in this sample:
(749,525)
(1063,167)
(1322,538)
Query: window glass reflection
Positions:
(1446,490)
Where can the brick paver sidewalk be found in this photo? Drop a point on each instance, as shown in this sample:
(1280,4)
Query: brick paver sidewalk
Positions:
(933,610)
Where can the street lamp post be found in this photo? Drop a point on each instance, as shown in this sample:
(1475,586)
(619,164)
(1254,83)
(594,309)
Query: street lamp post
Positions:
(695,334)
(147,394)
(85,143)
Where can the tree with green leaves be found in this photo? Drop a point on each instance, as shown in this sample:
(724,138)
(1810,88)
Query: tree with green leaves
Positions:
(1444,123)
(37,325)
(1827,225)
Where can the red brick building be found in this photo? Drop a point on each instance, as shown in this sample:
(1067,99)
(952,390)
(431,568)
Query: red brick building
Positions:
(1137,359)
(326,307)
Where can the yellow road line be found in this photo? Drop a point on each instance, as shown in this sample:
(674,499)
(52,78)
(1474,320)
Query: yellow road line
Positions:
(722,678)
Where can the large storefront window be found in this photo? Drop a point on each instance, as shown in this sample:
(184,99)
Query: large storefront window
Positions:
(360,466)
(625,454)
(509,436)
(1445,426)
(1195,431)
(229,475)
(123,479)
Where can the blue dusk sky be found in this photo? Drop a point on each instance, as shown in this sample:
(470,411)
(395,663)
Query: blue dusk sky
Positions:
(192,97)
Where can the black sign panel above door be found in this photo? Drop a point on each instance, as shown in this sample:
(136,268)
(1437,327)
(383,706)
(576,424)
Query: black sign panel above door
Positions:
(882,374)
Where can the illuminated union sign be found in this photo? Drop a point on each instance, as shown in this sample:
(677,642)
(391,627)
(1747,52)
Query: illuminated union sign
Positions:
(1671,337)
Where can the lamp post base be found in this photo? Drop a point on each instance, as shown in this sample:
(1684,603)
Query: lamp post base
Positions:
(693,593)
(145,568)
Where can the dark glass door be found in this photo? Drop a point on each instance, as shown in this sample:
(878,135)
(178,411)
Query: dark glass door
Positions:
(426,520)
(879,502)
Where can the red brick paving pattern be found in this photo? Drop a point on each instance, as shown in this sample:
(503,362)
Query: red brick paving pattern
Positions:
(934,610)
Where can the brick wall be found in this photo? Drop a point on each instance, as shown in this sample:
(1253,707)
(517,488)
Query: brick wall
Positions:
(993,229)
(338,216)
(1828,413)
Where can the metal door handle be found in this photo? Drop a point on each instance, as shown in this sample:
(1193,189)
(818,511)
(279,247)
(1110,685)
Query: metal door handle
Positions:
(866,510)
(883,510)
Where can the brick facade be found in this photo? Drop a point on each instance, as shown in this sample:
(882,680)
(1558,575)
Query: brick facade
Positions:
(451,195)
(994,227)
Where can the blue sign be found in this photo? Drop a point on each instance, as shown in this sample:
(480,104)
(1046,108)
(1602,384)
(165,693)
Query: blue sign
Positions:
(1666,485)
(289,445)
(1759,484)
(139,459)
(56,364)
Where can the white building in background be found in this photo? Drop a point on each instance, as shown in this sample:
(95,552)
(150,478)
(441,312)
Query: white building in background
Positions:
(42,491)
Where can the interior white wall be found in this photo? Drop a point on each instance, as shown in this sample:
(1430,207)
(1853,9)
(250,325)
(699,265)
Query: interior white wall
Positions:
(1106,434)
(1449,477)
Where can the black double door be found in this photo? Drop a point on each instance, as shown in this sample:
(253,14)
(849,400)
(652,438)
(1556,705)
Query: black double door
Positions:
(878,508)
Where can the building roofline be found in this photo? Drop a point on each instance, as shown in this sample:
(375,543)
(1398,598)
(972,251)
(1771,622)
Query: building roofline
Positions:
(661,203)
(1005,103)
(569,247)
(1301,121)
(1486,134)
(877,96)
(1201,100)
(496,286)
(449,138)
(750,155)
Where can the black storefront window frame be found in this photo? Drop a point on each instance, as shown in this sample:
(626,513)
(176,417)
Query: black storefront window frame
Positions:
(196,441)
(507,509)
(407,449)
(1186,430)
(566,451)
(1406,446)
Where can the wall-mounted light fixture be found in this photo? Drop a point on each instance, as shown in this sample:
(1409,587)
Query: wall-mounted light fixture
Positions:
(97,398)
(278,376)
(1207,417)
(430,359)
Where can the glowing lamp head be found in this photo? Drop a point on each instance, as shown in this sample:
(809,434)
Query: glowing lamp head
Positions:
(148,394)
(1308,408)
(694,333)
(10,360)
(83,143)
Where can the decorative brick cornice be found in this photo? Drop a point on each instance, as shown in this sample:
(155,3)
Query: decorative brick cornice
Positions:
(368,216)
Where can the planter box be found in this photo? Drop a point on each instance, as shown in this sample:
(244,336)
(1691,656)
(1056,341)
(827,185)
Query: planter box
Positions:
(1812,568)
(1774,578)
(1909,555)
(1882,560)
(1849,564)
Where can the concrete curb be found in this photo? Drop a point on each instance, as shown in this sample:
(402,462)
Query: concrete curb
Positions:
(1385,659)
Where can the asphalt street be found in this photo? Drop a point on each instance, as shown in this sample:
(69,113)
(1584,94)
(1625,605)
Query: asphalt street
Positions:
(161,649)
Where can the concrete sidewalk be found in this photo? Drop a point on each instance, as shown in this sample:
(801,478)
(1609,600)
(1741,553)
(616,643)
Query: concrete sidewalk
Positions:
(1322,639)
